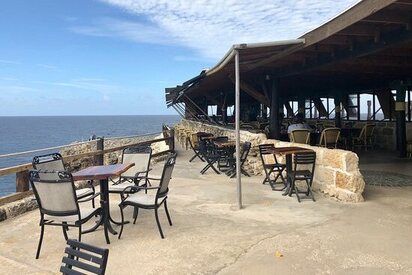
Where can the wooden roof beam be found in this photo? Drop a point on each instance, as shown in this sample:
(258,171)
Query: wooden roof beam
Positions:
(359,30)
(357,50)
(250,90)
(360,11)
(390,17)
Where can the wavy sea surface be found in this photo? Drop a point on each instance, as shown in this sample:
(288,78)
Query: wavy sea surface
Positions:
(19,134)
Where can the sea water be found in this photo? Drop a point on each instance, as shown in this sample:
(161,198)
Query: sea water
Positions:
(19,134)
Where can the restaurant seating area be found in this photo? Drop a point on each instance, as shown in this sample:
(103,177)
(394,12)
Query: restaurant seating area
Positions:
(59,201)
(336,172)
(202,212)
(218,154)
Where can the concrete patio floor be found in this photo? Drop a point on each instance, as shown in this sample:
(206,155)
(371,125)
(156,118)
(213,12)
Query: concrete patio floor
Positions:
(210,235)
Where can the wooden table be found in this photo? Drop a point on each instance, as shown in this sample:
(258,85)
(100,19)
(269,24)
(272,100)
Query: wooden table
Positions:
(288,152)
(225,144)
(103,173)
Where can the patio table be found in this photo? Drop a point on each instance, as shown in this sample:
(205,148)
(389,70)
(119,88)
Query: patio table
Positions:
(288,152)
(103,173)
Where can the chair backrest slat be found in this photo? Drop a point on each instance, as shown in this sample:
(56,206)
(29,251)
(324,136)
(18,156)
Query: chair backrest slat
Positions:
(166,175)
(308,158)
(83,255)
(67,271)
(49,163)
(55,197)
(330,137)
(300,136)
(140,156)
(245,151)
(80,259)
(266,153)
(81,265)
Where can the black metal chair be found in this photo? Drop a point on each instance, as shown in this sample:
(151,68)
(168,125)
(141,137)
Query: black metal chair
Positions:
(194,144)
(271,166)
(225,153)
(58,203)
(141,157)
(132,197)
(232,162)
(82,257)
(209,154)
(54,162)
(305,174)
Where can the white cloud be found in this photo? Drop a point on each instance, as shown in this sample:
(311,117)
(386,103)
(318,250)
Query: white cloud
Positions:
(47,66)
(138,32)
(88,84)
(211,26)
(7,78)
(16,89)
(13,62)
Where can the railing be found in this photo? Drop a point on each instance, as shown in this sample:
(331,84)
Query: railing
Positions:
(22,170)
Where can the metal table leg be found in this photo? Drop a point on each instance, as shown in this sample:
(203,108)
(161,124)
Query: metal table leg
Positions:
(288,190)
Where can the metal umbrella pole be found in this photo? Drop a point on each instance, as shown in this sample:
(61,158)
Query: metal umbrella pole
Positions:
(237,122)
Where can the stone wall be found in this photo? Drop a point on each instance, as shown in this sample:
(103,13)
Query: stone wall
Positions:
(336,173)
(110,158)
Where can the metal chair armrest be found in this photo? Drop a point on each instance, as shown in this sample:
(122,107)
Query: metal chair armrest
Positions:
(91,185)
(89,198)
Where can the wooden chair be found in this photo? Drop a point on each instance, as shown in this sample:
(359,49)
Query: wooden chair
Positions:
(329,138)
(194,145)
(307,160)
(271,166)
(300,136)
(243,157)
(84,259)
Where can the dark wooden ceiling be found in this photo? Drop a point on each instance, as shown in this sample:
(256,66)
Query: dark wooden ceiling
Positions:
(365,48)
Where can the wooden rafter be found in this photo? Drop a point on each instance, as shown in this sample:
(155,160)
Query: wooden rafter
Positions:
(250,90)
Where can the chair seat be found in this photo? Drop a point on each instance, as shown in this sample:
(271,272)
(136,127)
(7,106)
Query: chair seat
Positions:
(301,174)
(142,198)
(120,187)
(85,213)
(84,192)
(272,165)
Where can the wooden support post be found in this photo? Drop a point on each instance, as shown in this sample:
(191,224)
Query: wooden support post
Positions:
(219,110)
(301,106)
(274,125)
(401,120)
(99,159)
(22,181)
(338,120)
(172,140)
(264,112)
(224,114)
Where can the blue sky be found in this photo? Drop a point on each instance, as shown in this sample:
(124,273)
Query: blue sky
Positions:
(115,57)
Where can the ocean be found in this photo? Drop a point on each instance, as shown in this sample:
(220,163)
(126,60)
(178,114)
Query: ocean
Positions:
(19,134)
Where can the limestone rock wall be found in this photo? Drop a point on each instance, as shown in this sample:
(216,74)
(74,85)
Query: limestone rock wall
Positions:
(110,158)
(336,173)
